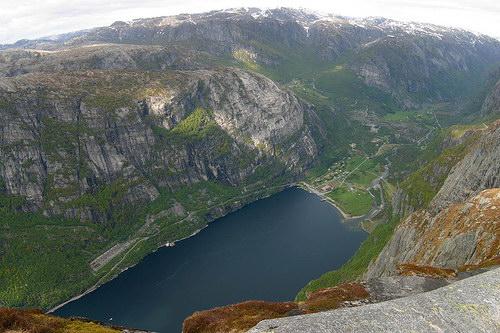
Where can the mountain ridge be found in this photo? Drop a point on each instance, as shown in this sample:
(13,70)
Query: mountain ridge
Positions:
(302,16)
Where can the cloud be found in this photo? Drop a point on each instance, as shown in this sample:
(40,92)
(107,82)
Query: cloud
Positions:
(36,18)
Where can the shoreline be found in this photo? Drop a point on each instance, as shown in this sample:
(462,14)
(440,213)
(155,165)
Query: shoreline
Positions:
(302,185)
(347,217)
(99,284)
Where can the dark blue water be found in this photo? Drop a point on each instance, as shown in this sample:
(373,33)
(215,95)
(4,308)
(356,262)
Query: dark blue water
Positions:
(267,250)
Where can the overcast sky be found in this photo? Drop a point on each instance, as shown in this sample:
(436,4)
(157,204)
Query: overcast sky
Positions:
(36,18)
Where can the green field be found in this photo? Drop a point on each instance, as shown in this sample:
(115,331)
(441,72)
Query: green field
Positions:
(365,170)
(355,202)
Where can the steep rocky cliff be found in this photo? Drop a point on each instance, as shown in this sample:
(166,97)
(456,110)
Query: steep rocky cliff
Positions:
(460,237)
(15,62)
(95,163)
(81,131)
(461,226)
(434,64)
(491,104)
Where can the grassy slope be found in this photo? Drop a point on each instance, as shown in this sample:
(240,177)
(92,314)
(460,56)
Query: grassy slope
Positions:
(32,321)
(423,184)
(45,261)
(39,255)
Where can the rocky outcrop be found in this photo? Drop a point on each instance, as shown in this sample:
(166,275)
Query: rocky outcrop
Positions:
(460,228)
(243,316)
(460,236)
(400,204)
(491,104)
(469,305)
(478,170)
(254,110)
(70,139)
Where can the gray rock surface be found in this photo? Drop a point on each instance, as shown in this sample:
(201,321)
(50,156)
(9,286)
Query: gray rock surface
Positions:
(399,203)
(451,233)
(461,236)
(57,143)
(469,305)
(491,104)
(478,170)
(97,56)
(391,287)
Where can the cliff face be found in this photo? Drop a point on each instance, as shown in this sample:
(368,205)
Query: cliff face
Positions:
(417,69)
(99,56)
(81,132)
(478,170)
(461,226)
(491,104)
(461,236)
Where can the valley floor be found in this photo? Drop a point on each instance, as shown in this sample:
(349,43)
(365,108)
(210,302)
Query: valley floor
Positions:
(357,200)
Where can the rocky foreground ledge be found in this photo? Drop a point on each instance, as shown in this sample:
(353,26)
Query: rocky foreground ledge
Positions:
(469,305)
(35,321)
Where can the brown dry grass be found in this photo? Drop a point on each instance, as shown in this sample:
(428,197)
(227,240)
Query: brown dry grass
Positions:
(480,216)
(236,318)
(485,264)
(30,321)
(333,298)
(34,321)
(428,271)
(243,316)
